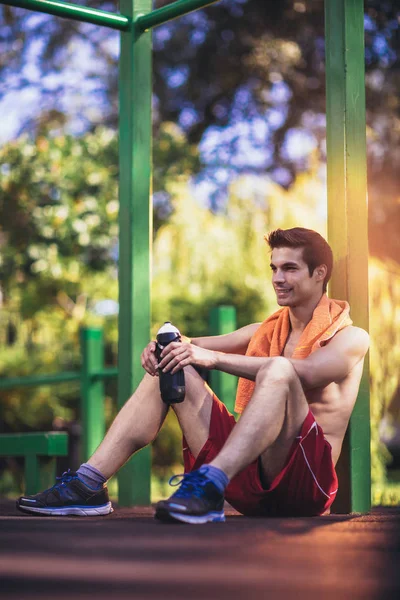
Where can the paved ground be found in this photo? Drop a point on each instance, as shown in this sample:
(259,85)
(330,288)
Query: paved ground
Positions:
(128,555)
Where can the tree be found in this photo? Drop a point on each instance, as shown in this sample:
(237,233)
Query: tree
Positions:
(244,79)
(59,208)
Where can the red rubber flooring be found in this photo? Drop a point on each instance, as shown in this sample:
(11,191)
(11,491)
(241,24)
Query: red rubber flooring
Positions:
(128,555)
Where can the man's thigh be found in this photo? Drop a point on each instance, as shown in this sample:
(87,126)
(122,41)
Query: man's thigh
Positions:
(274,458)
(194,413)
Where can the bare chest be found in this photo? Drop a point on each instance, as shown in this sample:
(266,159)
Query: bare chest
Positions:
(290,346)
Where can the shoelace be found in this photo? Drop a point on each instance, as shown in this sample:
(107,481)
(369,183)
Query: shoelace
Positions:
(65,478)
(191,484)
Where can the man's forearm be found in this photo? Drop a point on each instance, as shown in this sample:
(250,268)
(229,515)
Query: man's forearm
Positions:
(236,364)
(302,370)
(248,366)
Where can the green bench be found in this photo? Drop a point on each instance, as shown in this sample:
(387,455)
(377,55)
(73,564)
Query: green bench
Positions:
(34,447)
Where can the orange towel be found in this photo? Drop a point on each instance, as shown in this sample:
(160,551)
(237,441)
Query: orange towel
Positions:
(329,317)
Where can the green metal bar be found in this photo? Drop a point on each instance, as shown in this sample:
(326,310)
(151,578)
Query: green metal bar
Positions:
(347,220)
(72,11)
(92,391)
(105,373)
(39,473)
(169,12)
(13,382)
(32,474)
(135,218)
(223,320)
(45,443)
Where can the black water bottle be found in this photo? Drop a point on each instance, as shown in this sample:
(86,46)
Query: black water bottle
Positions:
(172,387)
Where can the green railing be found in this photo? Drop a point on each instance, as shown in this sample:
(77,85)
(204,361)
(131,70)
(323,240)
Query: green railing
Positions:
(91,378)
(93,373)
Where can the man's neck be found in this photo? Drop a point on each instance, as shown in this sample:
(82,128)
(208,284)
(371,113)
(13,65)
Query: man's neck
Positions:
(300,316)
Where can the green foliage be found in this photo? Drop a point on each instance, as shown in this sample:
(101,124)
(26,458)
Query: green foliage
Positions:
(384,359)
(58,210)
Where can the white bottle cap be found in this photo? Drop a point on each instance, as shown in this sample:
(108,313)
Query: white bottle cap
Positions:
(168,328)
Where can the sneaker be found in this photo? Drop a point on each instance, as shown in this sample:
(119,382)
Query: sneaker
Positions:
(196,501)
(70,496)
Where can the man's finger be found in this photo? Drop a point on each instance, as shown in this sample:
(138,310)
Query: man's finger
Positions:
(170,348)
(170,356)
(175,361)
(184,363)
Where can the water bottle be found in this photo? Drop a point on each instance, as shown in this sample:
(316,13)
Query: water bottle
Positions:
(172,387)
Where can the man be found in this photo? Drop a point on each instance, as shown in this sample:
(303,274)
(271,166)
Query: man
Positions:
(300,372)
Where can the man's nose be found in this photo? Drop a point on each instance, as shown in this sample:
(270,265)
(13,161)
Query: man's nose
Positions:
(278,277)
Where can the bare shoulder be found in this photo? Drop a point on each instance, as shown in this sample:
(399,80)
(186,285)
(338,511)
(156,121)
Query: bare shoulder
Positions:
(354,340)
(252,328)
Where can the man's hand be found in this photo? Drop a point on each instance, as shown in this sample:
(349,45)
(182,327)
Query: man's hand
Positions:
(149,360)
(177,355)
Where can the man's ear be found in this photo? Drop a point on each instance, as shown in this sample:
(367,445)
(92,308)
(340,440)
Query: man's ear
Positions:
(321,272)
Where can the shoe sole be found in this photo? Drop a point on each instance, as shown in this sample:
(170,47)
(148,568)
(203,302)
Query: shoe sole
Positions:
(212,517)
(78,511)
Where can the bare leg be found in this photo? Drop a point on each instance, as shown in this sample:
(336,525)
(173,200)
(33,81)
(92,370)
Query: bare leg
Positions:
(140,419)
(194,414)
(269,424)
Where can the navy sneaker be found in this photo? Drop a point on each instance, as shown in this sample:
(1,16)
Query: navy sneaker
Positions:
(70,496)
(196,501)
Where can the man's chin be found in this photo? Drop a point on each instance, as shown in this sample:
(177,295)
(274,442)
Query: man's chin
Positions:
(285,301)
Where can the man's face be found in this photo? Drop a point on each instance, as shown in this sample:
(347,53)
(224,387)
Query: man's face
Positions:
(291,279)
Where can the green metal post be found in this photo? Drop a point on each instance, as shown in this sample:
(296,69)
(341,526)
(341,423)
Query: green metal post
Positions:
(40,473)
(92,391)
(347,220)
(32,474)
(223,320)
(135,218)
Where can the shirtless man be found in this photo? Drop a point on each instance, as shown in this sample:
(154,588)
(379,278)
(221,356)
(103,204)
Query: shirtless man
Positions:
(279,457)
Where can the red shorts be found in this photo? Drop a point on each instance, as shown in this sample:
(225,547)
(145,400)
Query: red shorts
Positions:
(306,486)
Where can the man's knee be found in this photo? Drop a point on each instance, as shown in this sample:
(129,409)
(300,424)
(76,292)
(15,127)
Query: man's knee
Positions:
(278,370)
(197,391)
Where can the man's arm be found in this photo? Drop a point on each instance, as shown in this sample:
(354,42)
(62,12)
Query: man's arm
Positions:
(334,361)
(230,343)
(326,365)
(199,351)
(177,355)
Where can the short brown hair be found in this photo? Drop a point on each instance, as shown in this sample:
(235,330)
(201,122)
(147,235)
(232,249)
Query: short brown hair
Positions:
(316,250)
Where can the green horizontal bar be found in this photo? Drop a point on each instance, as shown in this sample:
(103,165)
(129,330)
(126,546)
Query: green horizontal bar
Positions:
(50,443)
(171,11)
(39,380)
(72,11)
(104,373)
(52,379)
